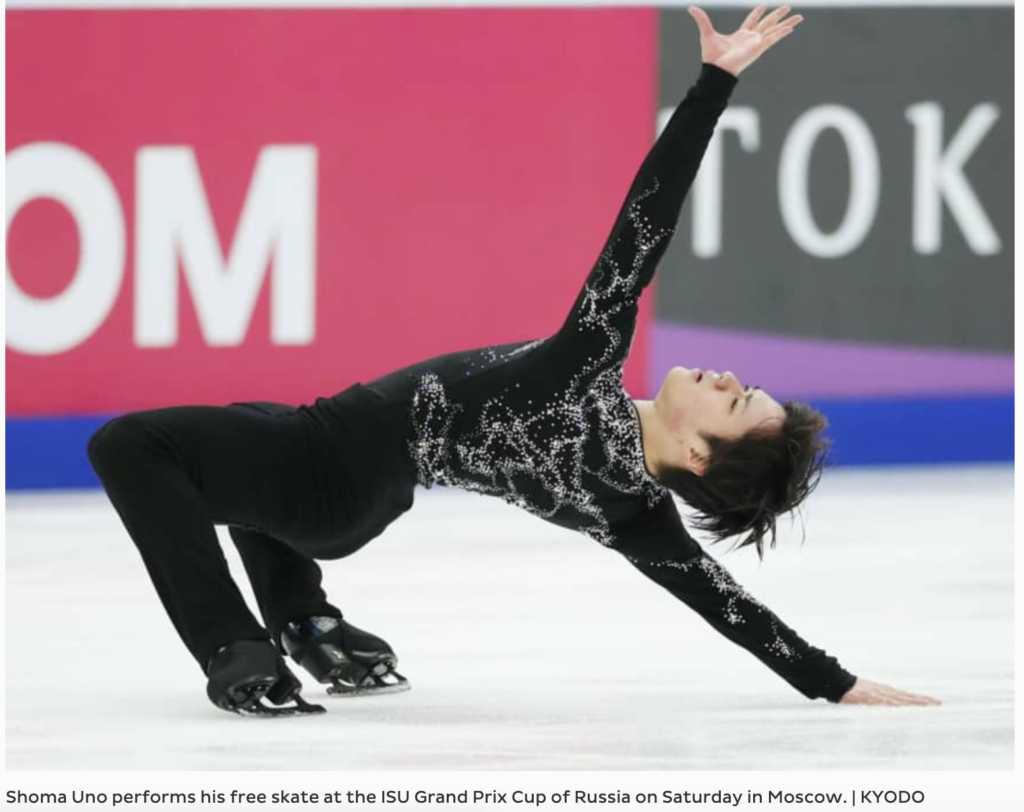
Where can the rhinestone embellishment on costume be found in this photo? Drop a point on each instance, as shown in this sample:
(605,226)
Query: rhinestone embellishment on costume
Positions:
(534,454)
(612,289)
(740,605)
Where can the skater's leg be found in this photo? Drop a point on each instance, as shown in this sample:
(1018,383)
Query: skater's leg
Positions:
(173,473)
(286,582)
(169,522)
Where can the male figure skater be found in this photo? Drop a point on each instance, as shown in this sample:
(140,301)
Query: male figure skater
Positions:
(543,424)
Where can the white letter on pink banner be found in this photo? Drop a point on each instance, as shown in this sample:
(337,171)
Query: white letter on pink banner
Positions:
(77,182)
(278,222)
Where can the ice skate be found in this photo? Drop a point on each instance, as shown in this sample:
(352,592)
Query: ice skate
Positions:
(352,662)
(243,673)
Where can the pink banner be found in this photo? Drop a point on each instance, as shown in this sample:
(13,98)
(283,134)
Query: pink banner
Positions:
(223,205)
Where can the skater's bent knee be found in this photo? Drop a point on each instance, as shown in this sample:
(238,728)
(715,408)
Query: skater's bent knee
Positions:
(109,442)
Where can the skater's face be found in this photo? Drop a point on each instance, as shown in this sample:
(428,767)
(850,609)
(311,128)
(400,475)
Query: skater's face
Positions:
(697,403)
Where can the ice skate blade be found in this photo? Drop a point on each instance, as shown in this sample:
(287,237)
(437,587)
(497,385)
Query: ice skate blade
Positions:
(252,705)
(259,710)
(373,684)
(337,692)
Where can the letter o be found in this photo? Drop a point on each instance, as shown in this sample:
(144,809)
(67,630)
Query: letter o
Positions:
(865,180)
(77,182)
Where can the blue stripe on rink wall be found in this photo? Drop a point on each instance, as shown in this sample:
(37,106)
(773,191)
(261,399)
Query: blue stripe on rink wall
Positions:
(893,431)
(50,452)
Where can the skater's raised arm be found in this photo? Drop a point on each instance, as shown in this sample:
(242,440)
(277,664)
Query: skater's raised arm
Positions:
(601,322)
(645,223)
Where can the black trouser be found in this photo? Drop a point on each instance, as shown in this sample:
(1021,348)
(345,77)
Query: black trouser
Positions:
(263,469)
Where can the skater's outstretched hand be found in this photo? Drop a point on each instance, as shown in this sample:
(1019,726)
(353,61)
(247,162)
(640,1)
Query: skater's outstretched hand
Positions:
(866,692)
(737,51)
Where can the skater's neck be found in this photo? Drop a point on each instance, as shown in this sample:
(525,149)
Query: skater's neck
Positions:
(651,434)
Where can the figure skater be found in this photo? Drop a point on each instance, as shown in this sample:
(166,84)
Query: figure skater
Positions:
(543,424)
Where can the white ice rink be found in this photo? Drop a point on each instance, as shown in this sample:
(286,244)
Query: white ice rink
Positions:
(533,648)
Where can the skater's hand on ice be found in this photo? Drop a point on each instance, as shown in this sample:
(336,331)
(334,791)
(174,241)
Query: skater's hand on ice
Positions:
(866,692)
(737,51)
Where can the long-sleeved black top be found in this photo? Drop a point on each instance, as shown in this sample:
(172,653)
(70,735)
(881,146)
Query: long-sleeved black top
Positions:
(546,424)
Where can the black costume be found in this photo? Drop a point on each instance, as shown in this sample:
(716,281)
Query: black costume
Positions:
(543,424)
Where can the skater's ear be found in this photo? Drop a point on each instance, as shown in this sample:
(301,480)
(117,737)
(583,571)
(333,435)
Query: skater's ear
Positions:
(693,453)
(739,487)
(696,462)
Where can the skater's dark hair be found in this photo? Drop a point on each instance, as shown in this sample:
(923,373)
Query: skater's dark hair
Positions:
(751,481)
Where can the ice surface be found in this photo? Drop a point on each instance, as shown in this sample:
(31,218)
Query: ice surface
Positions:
(530,647)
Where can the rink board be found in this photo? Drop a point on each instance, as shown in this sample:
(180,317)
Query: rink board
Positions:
(47,453)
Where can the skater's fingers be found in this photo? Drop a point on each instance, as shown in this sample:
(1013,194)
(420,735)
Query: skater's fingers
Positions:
(765,25)
(703,22)
(753,17)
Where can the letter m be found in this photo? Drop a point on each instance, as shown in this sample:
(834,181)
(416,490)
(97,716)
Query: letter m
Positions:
(276,231)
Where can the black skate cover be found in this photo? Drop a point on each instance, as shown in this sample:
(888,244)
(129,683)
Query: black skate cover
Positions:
(244,673)
(351,661)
